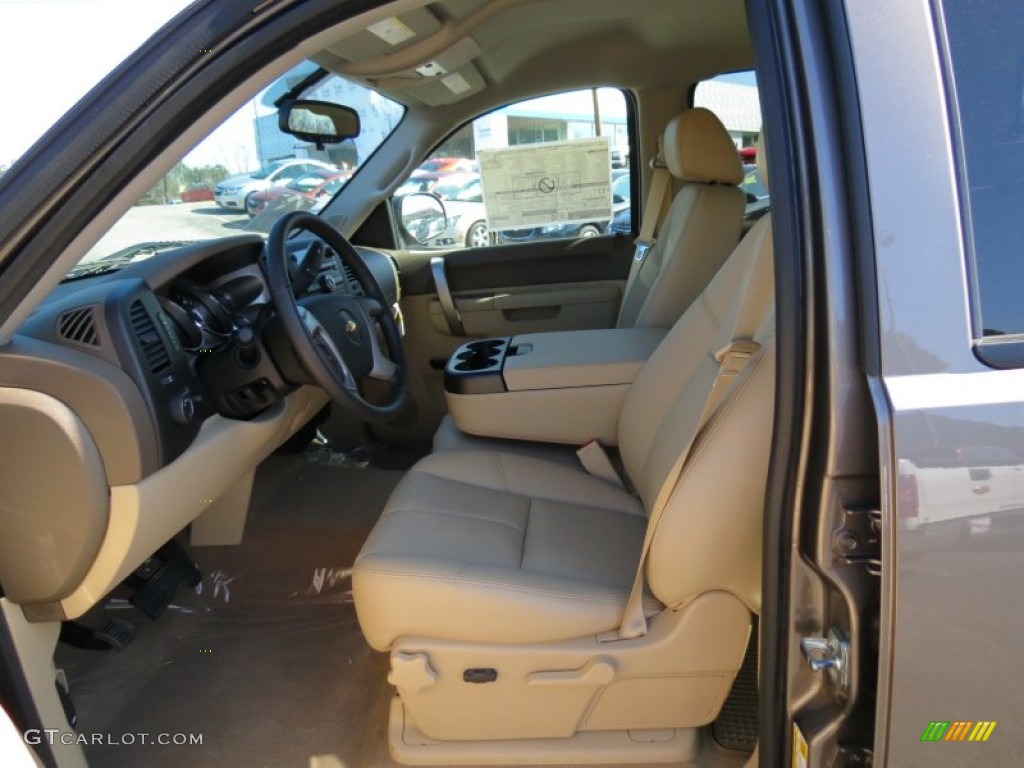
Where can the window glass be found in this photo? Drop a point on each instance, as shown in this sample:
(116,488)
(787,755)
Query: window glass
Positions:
(987,59)
(734,100)
(535,170)
(247,173)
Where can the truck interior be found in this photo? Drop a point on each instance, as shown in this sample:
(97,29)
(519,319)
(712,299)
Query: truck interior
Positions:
(442,580)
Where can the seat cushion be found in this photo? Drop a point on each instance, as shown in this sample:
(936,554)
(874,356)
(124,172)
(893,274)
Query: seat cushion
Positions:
(483,546)
(450,438)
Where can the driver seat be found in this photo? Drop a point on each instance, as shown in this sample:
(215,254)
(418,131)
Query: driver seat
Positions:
(498,581)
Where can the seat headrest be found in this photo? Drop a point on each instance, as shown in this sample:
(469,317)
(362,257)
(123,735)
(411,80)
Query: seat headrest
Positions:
(762,160)
(698,148)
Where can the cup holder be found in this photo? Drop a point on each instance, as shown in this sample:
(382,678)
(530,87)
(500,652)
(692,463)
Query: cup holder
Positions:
(475,368)
(476,363)
(480,355)
(486,346)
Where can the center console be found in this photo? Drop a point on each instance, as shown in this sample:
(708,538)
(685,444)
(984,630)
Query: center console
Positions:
(562,387)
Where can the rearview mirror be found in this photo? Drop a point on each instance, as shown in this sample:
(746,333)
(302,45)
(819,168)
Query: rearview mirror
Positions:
(319,122)
(422,215)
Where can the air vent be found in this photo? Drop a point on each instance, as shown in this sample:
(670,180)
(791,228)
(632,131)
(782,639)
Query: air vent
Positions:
(353,285)
(153,347)
(78,326)
(396,265)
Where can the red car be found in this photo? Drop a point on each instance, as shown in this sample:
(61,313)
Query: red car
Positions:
(448,165)
(303,192)
(197,193)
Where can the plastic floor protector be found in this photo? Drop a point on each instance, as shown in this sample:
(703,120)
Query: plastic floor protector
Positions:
(265,660)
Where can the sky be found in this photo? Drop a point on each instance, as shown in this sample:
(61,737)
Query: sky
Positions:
(52,52)
(47,64)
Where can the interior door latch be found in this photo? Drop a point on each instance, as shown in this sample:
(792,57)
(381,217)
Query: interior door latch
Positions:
(831,654)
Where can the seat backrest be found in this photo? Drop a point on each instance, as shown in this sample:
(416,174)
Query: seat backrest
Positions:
(700,228)
(709,536)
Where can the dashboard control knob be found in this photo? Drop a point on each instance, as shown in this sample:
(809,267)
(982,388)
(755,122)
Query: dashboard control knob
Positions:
(183,408)
(327,283)
(246,346)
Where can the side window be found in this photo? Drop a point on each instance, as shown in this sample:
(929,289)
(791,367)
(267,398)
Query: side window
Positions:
(734,100)
(986,58)
(546,168)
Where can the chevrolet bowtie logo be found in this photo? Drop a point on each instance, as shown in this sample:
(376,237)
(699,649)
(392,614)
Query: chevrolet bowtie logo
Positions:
(351,327)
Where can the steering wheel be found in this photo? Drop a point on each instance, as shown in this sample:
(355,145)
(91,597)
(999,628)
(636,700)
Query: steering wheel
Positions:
(334,336)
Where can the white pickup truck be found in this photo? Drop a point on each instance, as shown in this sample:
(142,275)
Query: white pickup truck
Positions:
(970,486)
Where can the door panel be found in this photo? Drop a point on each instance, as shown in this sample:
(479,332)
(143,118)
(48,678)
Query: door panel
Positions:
(531,309)
(553,285)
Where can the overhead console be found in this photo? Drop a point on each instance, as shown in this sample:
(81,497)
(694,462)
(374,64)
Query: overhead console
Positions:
(564,387)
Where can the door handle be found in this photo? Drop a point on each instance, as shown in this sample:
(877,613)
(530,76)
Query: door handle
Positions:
(444,295)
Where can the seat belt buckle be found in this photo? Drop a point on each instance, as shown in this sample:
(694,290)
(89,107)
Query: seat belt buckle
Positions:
(596,462)
(735,355)
(643,247)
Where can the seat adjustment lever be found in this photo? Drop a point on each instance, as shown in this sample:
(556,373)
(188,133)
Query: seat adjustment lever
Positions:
(597,671)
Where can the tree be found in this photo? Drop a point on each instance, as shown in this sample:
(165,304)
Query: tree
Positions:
(179,178)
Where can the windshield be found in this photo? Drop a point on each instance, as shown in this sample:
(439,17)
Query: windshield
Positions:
(193,202)
(262,173)
(309,182)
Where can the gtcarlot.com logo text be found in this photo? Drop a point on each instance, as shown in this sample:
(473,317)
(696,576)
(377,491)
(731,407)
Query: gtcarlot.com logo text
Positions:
(53,736)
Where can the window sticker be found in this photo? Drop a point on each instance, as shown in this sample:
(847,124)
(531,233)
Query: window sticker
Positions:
(560,182)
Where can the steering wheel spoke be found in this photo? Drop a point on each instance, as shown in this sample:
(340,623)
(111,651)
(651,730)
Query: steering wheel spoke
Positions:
(328,350)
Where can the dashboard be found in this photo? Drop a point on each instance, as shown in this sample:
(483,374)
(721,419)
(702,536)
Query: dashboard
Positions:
(147,353)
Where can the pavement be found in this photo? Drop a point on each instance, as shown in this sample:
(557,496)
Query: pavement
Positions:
(184,221)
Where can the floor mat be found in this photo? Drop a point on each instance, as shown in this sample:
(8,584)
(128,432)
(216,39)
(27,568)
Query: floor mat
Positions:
(736,725)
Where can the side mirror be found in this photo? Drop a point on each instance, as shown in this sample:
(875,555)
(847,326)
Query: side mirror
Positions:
(422,216)
(319,122)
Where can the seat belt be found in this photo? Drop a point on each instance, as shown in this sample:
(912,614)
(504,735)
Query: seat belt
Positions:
(730,360)
(661,182)
(652,212)
(595,461)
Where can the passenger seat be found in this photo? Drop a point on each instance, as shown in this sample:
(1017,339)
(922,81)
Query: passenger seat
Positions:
(699,230)
(489,567)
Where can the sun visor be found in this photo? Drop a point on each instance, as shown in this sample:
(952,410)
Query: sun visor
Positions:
(448,88)
(386,37)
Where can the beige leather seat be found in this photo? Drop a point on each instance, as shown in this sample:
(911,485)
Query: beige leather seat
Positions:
(700,228)
(497,581)
(698,231)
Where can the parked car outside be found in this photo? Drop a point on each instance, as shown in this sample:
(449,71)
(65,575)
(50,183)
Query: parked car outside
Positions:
(233,193)
(463,199)
(449,165)
(197,193)
(419,181)
(309,187)
(758,200)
